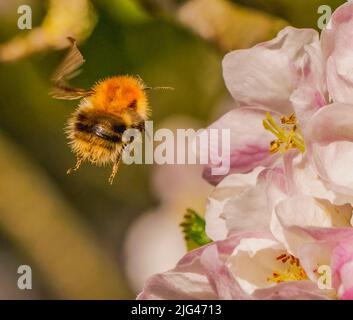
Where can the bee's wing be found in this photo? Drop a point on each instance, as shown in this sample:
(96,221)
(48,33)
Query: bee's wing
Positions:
(66,71)
(67,93)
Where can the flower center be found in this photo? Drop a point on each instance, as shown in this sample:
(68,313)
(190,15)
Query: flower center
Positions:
(289,136)
(293,271)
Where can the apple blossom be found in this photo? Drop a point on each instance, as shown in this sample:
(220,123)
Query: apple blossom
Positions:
(285,211)
(280,87)
(244,266)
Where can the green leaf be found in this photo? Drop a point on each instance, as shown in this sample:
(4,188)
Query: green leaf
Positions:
(193,227)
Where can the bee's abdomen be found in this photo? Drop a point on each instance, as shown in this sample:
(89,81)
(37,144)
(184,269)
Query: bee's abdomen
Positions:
(103,125)
(93,136)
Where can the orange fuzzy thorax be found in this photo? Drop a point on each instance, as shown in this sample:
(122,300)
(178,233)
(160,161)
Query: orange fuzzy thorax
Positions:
(117,95)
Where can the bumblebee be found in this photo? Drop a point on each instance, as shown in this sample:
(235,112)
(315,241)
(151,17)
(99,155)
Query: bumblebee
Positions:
(110,107)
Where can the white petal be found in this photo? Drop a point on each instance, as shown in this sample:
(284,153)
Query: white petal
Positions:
(230,187)
(248,210)
(253,262)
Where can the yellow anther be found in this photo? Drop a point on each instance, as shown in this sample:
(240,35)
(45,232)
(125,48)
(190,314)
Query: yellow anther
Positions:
(293,272)
(292,119)
(288,134)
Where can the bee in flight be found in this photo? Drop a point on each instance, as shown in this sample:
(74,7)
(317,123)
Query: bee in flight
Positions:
(110,107)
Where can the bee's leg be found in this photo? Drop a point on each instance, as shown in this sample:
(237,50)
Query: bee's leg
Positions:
(76,167)
(117,163)
(115,169)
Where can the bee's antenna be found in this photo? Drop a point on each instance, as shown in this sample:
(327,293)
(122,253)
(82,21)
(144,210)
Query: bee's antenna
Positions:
(158,88)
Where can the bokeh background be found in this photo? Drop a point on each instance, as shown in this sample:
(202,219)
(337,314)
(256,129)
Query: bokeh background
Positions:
(83,238)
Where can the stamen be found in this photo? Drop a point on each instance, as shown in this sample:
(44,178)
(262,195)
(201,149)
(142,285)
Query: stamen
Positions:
(288,134)
(294,271)
(292,119)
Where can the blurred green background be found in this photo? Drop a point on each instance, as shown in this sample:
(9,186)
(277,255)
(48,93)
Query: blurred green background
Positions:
(71,229)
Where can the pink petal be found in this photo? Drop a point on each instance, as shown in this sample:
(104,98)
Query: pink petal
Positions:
(293,290)
(301,177)
(219,276)
(177,286)
(267,74)
(321,243)
(332,235)
(342,264)
(311,93)
(330,137)
(249,141)
(338,50)
(201,274)
(306,100)
(348,294)
(338,244)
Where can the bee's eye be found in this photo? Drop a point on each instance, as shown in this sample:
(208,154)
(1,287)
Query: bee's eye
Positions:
(120,128)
